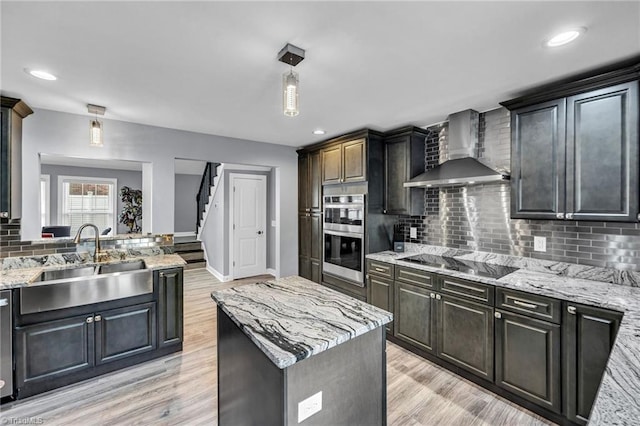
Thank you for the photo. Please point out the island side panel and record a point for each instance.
(352, 378)
(250, 386)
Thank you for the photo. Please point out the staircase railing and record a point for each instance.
(210, 172)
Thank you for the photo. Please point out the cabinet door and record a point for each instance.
(528, 359)
(354, 161)
(315, 236)
(53, 349)
(538, 161)
(380, 292)
(303, 183)
(125, 332)
(602, 154)
(315, 270)
(414, 316)
(304, 267)
(396, 196)
(588, 336)
(332, 165)
(314, 186)
(304, 230)
(170, 306)
(5, 162)
(465, 335)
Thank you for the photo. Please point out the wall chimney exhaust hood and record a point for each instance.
(461, 166)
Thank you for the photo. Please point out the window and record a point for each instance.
(44, 200)
(87, 200)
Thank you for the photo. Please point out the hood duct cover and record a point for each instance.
(462, 166)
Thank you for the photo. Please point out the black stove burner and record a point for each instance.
(466, 266)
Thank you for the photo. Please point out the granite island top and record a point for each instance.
(291, 319)
(28, 270)
(619, 393)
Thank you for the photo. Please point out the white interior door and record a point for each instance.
(249, 225)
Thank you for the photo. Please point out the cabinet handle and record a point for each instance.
(571, 310)
(524, 304)
(4, 302)
(384, 211)
(4, 214)
(560, 215)
(89, 320)
(438, 297)
(97, 318)
(497, 314)
(432, 295)
(308, 210)
(569, 216)
(380, 270)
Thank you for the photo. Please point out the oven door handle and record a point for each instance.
(344, 234)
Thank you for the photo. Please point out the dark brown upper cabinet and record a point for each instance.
(404, 158)
(345, 162)
(309, 182)
(12, 112)
(575, 156)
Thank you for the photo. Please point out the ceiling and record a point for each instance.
(210, 66)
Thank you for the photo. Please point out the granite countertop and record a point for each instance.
(619, 391)
(15, 277)
(292, 318)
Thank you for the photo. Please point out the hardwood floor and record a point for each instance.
(182, 388)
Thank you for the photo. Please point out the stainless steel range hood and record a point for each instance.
(461, 166)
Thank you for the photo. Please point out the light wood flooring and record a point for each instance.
(182, 388)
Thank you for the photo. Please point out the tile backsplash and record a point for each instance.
(477, 217)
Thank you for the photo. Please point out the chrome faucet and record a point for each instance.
(77, 239)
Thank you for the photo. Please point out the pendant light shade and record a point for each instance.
(290, 89)
(291, 55)
(96, 133)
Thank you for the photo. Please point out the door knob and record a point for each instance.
(259, 232)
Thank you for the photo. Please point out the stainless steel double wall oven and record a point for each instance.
(343, 232)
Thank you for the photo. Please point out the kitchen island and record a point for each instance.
(291, 351)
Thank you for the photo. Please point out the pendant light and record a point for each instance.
(96, 135)
(292, 56)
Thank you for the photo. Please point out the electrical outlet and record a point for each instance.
(309, 406)
(539, 243)
(273, 223)
(413, 232)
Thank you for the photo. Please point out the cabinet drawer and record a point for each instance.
(415, 277)
(529, 304)
(380, 269)
(469, 290)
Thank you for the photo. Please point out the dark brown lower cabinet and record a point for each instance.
(170, 302)
(53, 349)
(527, 356)
(588, 336)
(125, 332)
(414, 316)
(310, 244)
(465, 335)
(380, 294)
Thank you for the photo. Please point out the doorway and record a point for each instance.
(248, 238)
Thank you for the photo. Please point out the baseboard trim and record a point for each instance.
(184, 234)
(218, 275)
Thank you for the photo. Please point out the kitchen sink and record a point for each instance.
(121, 267)
(59, 274)
(68, 288)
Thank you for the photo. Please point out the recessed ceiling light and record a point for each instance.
(564, 37)
(319, 132)
(44, 75)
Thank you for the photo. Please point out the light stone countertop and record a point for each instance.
(291, 319)
(619, 393)
(17, 275)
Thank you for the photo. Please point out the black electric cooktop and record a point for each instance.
(466, 266)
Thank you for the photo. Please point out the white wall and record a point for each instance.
(214, 230)
(65, 134)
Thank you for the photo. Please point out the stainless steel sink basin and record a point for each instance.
(121, 267)
(58, 274)
(62, 289)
